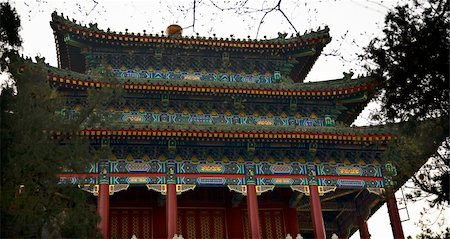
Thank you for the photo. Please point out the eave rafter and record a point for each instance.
(355, 138)
(336, 91)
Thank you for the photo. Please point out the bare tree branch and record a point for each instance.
(290, 23)
(193, 16)
(264, 16)
(242, 8)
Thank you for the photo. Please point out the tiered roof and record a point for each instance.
(350, 94)
(73, 39)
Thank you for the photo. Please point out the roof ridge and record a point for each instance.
(320, 32)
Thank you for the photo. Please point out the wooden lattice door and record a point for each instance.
(271, 224)
(124, 223)
(201, 223)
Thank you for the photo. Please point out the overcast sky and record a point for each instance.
(352, 23)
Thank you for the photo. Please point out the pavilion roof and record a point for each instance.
(71, 37)
(282, 43)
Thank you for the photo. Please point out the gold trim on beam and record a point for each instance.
(326, 189)
(301, 188)
(117, 188)
(242, 189)
(91, 188)
(378, 191)
(161, 188)
(181, 188)
(264, 188)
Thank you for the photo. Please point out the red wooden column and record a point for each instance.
(292, 222)
(316, 212)
(159, 215)
(171, 210)
(235, 225)
(394, 216)
(252, 207)
(363, 229)
(103, 209)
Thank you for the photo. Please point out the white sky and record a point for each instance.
(353, 23)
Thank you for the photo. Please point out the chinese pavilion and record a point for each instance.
(221, 138)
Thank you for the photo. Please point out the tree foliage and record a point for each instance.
(33, 205)
(416, 142)
(433, 179)
(9, 25)
(412, 59)
(9, 33)
(429, 234)
(32, 202)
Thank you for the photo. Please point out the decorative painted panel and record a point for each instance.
(210, 168)
(153, 166)
(215, 173)
(281, 181)
(351, 183)
(281, 168)
(137, 180)
(150, 117)
(210, 181)
(349, 170)
(198, 76)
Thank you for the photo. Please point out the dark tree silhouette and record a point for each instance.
(412, 61)
(10, 40)
(33, 205)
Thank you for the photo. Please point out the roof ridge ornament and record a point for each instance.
(348, 76)
(174, 30)
(282, 35)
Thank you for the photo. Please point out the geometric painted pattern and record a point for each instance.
(221, 119)
(267, 78)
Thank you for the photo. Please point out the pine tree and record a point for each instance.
(33, 204)
(411, 59)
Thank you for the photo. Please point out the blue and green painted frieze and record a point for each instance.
(352, 183)
(138, 180)
(176, 75)
(215, 173)
(136, 117)
(154, 166)
(352, 170)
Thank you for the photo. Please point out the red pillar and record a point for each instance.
(234, 223)
(292, 222)
(252, 207)
(103, 209)
(171, 210)
(363, 229)
(316, 212)
(159, 215)
(394, 216)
